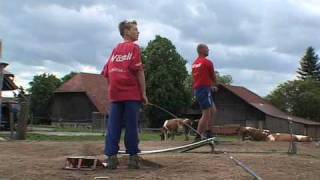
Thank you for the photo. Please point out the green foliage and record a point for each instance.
(165, 80)
(188, 85)
(309, 66)
(68, 76)
(299, 98)
(224, 79)
(41, 90)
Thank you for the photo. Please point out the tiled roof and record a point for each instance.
(8, 84)
(94, 85)
(263, 105)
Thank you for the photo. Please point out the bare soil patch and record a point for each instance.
(45, 160)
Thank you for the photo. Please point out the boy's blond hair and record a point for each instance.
(126, 25)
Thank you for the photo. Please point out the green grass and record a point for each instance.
(144, 136)
(41, 137)
(228, 138)
(64, 129)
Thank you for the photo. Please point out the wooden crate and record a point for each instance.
(88, 163)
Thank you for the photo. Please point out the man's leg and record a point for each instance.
(203, 122)
(113, 134)
(131, 139)
(204, 97)
(211, 121)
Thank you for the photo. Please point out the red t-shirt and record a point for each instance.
(203, 73)
(121, 72)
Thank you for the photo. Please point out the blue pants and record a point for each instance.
(123, 113)
(204, 97)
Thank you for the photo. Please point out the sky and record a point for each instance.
(258, 43)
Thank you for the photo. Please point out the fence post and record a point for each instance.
(23, 119)
(11, 121)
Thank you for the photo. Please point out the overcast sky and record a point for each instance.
(258, 42)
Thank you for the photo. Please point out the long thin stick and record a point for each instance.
(243, 166)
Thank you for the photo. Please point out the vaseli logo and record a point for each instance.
(196, 65)
(120, 58)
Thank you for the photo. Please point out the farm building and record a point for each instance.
(8, 84)
(239, 106)
(80, 101)
(7, 104)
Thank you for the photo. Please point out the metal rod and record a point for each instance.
(159, 107)
(243, 166)
(292, 146)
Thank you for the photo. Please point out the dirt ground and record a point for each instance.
(45, 160)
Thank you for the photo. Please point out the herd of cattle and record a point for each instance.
(172, 126)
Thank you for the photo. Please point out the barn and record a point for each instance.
(8, 84)
(7, 103)
(238, 106)
(80, 101)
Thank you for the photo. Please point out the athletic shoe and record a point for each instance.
(112, 162)
(134, 162)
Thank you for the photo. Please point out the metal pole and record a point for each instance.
(2, 66)
(243, 166)
(11, 118)
(292, 145)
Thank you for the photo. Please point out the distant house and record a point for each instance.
(8, 84)
(239, 106)
(7, 104)
(80, 100)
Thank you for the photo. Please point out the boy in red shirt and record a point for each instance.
(204, 81)
(126, 90)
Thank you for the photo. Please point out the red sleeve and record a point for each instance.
(105, 68)
(136, 63)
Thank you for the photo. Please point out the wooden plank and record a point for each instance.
(179, 148)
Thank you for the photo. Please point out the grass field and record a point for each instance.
(144, 136)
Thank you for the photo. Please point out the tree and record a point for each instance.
(67, 77)
(188, 85)
(283, 96)
(309, 66)
(224, 79)
(166, 75)
(41, 90)
(299, 98)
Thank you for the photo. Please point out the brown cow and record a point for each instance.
(253, 133)
(287, 137)
(171, 127)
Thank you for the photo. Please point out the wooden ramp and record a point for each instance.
(183, 148)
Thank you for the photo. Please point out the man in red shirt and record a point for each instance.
(126, 90)
(204, 80)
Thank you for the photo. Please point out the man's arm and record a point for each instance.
(142, 82)
(213, 78)
(214, 82)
